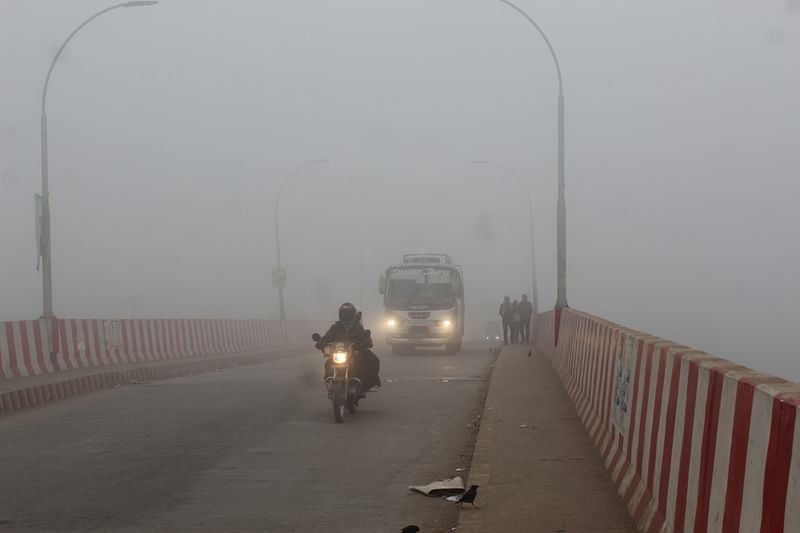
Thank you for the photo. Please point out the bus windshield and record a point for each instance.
(420, 287)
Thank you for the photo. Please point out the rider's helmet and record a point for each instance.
(347, 313)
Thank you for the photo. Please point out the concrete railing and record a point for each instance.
(35, 347)
(692, 442)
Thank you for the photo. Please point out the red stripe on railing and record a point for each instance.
(669, 439)
(641, 426)
(38, 344)
(686, 447)
(661, 361)
(13, 363)
(708, 450)
(776, 471)
(26, 349)
(737, 463)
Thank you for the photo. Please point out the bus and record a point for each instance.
(423, 302)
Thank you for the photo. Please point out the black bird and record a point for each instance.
(410, 529)
(469, 497)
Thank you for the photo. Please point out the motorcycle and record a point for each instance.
(344, 388)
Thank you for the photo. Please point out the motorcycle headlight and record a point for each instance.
(339, 358)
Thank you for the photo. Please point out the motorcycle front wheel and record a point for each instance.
(337, 399)
(351, 406)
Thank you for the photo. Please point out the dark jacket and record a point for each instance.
(341, 332)
(506, 311)
(525, 310)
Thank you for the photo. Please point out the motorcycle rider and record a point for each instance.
(349, 329)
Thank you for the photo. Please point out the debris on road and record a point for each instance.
(441, 488)
(467, 496)
(527, 426)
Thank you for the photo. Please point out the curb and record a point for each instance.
(480, 469)
(35, 395)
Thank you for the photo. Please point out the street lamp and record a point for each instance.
(534, 291)
(561, 213)
(281, 284)
(44, 244)
(561, 216)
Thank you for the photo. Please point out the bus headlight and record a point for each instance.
(391, 322)
(339, 358)
(447, 323)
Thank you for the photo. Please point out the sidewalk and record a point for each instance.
(545, 477)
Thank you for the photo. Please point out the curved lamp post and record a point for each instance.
(561, 300)
(44, 244)
(277, 224)
(561, 213)
(534, 291)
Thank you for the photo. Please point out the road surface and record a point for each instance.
(253, 448)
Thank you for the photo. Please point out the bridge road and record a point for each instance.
(253, 448)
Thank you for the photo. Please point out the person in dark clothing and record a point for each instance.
(349, 329)
(505, 314)
(525, 310)
(515, 322)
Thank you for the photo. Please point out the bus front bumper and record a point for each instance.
(430, 338)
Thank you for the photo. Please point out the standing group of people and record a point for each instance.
(516, 317)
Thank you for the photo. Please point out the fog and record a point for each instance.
(171, 128)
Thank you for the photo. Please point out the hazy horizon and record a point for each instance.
(171, 128)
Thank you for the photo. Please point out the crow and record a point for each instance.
(410, 529)
(469, 497)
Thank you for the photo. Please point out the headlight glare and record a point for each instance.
(339, 358)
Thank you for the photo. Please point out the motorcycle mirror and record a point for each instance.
(315, 337)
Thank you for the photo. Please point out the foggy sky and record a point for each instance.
(171, 128)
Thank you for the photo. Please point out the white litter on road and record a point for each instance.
(441, 488)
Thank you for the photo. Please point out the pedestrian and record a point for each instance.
(505, 314)
(516, 322)
(525, 313)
